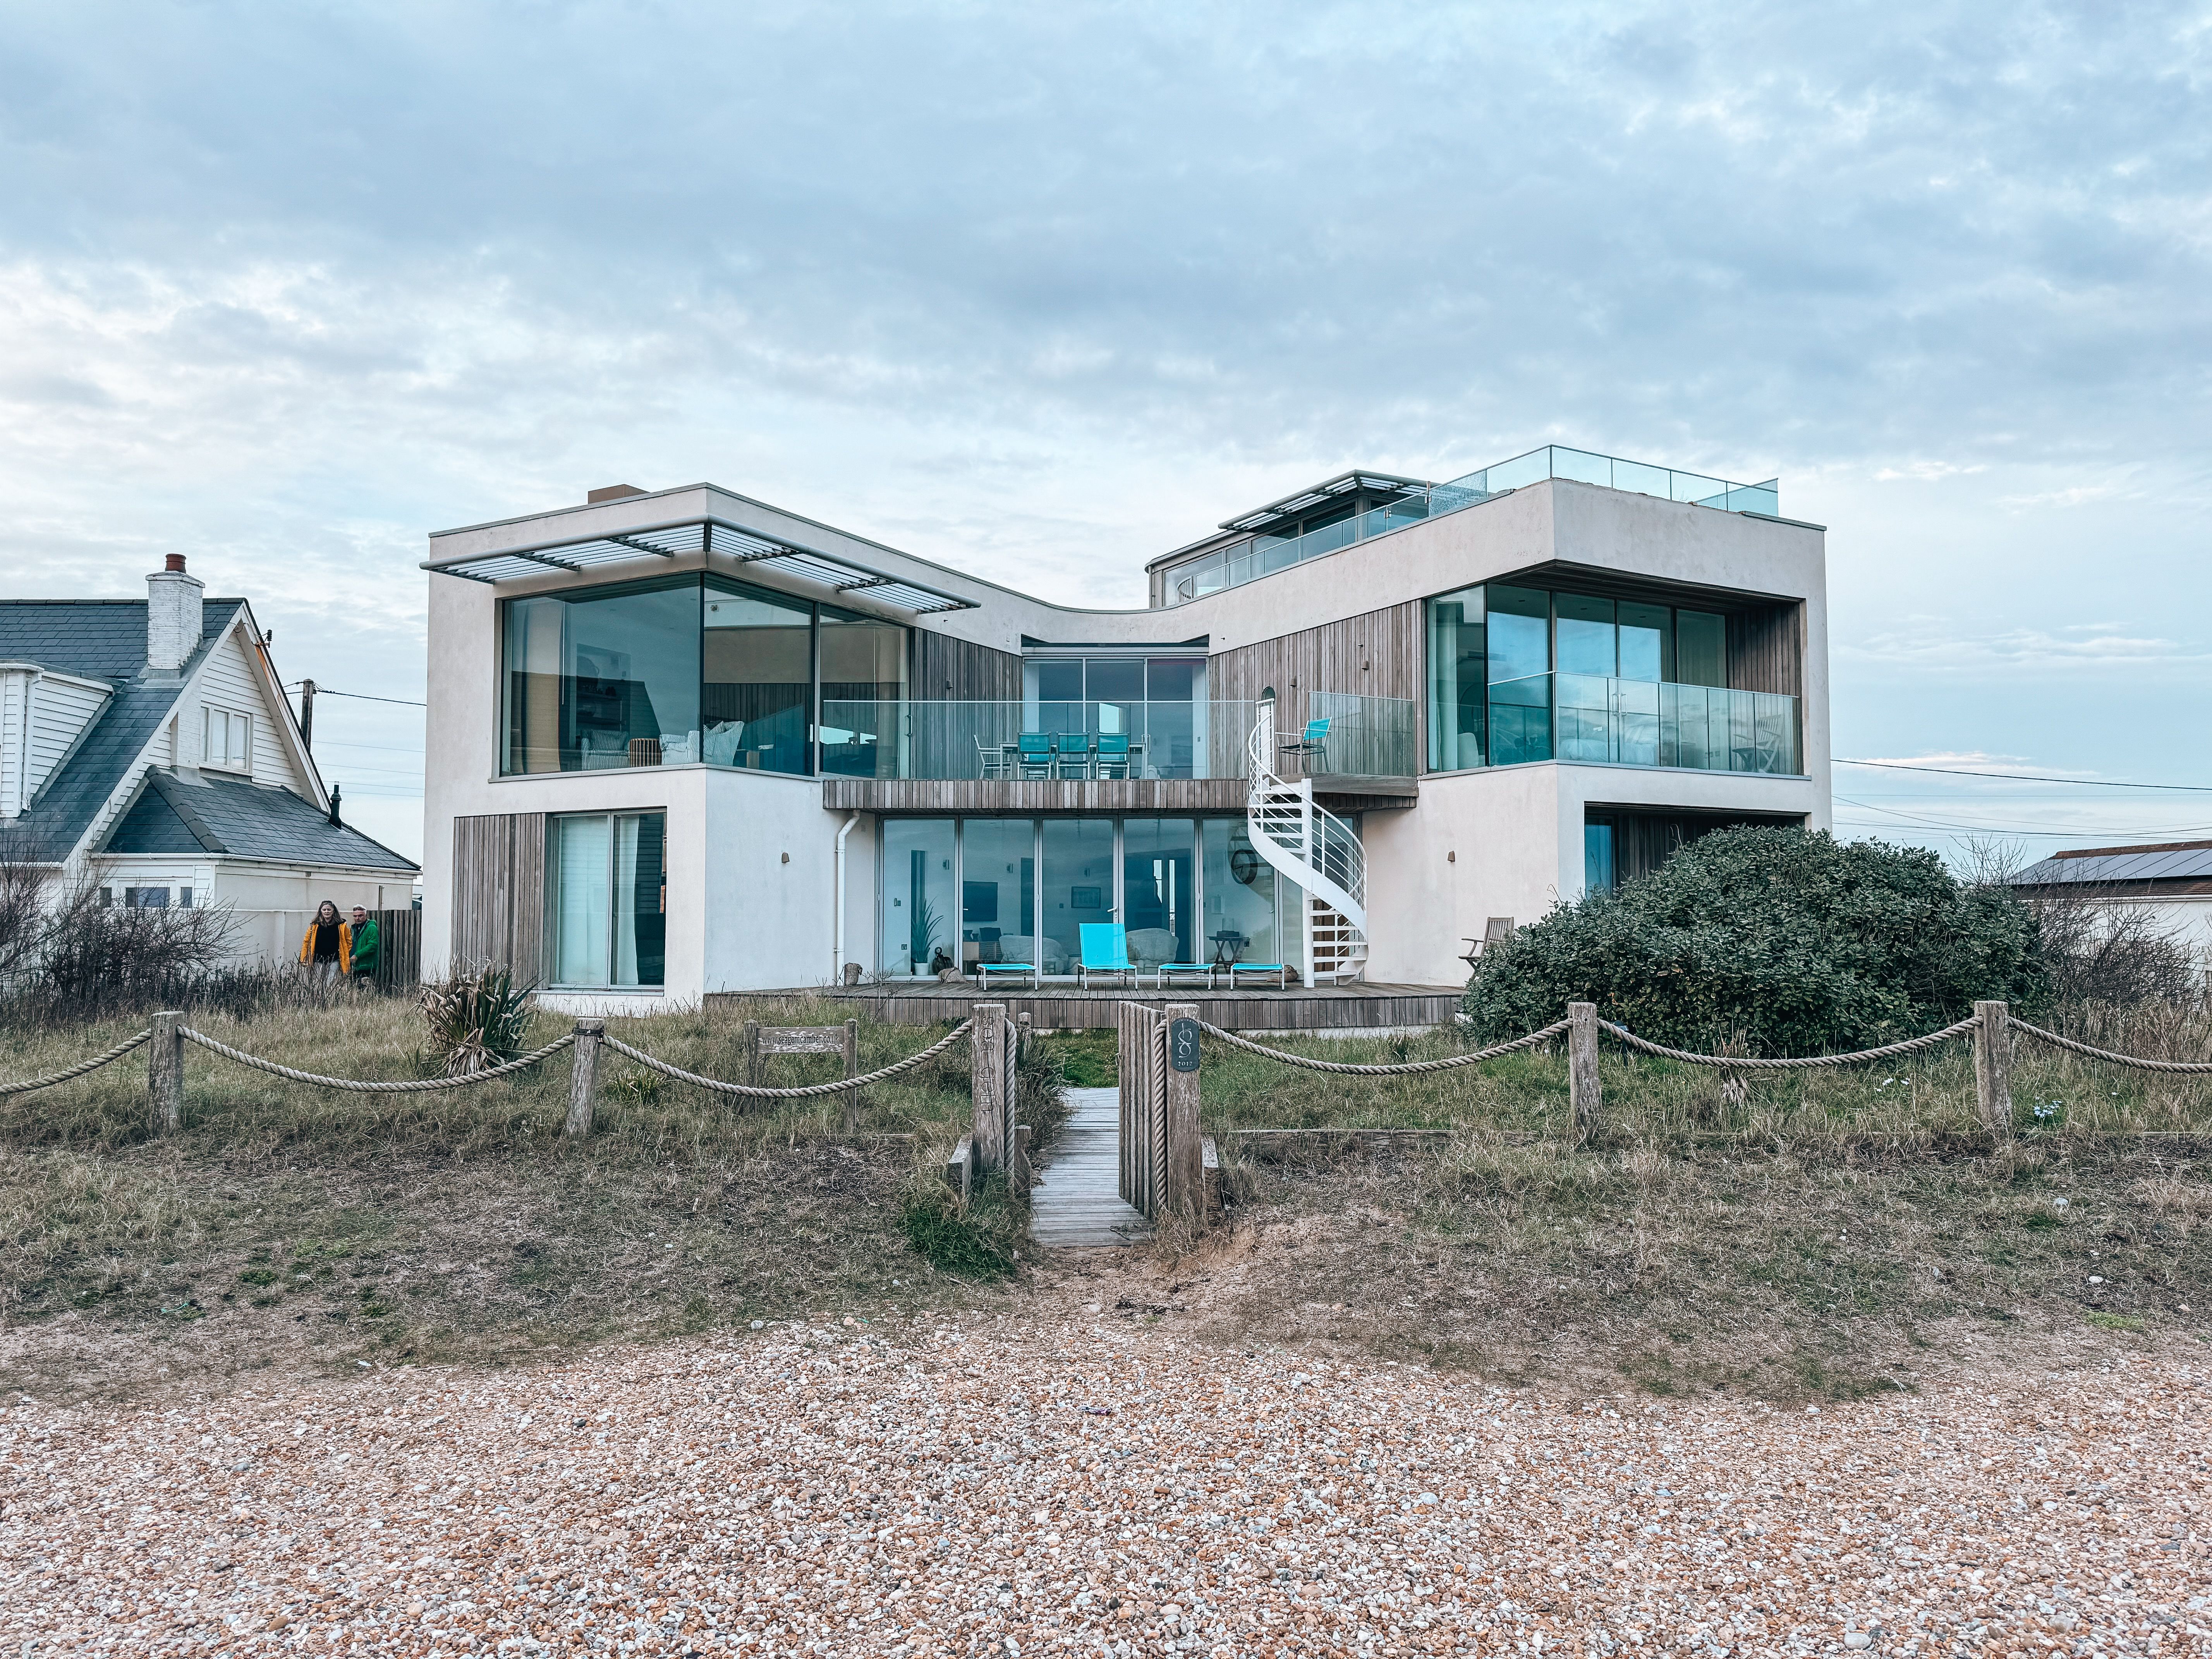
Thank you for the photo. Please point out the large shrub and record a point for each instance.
(1789, 943)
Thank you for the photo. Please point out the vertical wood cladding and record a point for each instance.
(1376, 654)
(947, 670)
(499, 893)
(1766, 649)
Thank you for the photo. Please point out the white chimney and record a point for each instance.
(172, 617)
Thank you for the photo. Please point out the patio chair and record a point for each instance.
(1281, 971)
(1110, 755)
(990, 759)
(985, 970)
(1034, 756)
(1315, 741)
(1204, 969)
(1105, 951)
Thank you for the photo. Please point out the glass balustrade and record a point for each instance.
(1363, 737)
(1590, 718)
(1039, 741)
(1263, 554)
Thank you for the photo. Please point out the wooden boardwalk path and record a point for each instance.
(1078, 1197)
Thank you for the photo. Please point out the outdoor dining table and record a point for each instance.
(1011, 759)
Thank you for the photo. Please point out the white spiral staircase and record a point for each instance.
(1319, 854)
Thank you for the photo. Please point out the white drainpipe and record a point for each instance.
(837, 942)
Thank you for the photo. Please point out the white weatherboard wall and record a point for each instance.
(231, 679)
(42, 715)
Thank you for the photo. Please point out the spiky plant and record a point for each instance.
(476, 1018)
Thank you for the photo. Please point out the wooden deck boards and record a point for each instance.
(1077, 1197)
(1359, 1006)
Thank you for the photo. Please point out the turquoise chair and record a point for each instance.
(1281, 971)
(1185, 970)
(1313, 746)
(1105, 951)
(1036, 756)
(1110, 755)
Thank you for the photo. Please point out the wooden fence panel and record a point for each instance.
(398, 949)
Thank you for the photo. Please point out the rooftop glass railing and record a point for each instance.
(1035, 741)
(1587, 718)
(1245, 561)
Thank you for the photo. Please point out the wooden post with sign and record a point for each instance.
(1186, 1193)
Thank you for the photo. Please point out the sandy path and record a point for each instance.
(1077, 1485)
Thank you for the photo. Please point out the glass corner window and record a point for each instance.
(609, 874)
(600, 677)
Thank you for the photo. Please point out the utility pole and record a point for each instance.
(307, 715)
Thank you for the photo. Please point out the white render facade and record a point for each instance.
(881, 761)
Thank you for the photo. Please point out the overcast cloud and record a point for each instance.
(1042, 291)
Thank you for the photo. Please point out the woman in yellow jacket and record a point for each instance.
(326, 948)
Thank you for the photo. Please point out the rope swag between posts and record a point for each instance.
(1407, 1069)
(80, 1069)
(2177, 1068)
(1730, 1063)
(355, 1085)
(746, 1090)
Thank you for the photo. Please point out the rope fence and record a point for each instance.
(800, 1093)
(1732, 1063)
(78, 1070)
(2172, 1068)
(361, 1086)
(1406, 1068)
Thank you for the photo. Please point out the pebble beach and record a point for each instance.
(986, 1484)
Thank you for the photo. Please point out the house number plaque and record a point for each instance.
(1182, 1045)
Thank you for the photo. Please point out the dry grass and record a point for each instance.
(460, 1224)
(1798, 1240)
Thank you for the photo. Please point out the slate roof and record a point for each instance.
(245, 820)
(101, 640)
(2099, 866)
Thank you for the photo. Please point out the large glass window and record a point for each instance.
(759, 673)
(605, 677)
(1159, 888)
(1459, 682)
(917, 895)
(1079, 881)
(1519, 636)
(1240, 923)
(696, 668)
(1154, 701)
(998, 894)
(610, 899)
(1700, 648)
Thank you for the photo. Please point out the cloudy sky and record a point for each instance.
(1041, 291)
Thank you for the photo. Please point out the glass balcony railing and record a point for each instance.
(1586, 717)
(1039, 741)
(1365, 738)
(1246, 562)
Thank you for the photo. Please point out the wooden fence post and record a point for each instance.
(1186, 1193)
(1582, 1092)
(852, 1071)
(752, 1053)
(165, 1070)
(584, 1076)
(1023, 1033)
(1993, 1066)
(987, 1079)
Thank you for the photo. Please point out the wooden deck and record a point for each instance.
(1066, 1007)
(1078, 1196)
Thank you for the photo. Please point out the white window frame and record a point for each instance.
(225, 724)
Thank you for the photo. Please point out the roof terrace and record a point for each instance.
(1236, 563)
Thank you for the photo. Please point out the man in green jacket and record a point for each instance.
(365, 942)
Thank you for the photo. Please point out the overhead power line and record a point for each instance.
(2026, 777)
(322, 690)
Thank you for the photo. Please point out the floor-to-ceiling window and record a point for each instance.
(998, 893)
(1159, 888)
(1519, 674)
(1079, 881)
(693, 668)
(1239, 897)
(610, 899)
(916, 907)
(1158, 702)
(605, 677)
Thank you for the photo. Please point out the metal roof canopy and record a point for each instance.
(706, 536)
(1345, 483)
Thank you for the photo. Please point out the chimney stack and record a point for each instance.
(172, 617)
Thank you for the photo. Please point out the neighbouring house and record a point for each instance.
(146, 746)
(683, 742)
(2170, 881)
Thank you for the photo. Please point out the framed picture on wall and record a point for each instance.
(1086, 898)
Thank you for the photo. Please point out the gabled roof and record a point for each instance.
(2098, 866)
(101, 640)
(242, 820)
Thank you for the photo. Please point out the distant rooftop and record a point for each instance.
(2097, 866)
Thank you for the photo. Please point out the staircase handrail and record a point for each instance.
(1312, 875)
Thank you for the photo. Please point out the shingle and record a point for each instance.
(253, 821)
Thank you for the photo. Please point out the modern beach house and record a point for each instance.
(683, 742)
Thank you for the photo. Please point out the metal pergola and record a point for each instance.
(709, 536)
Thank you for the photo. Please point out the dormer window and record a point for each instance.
(229, 740)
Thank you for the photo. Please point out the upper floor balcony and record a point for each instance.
(1266, 552)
